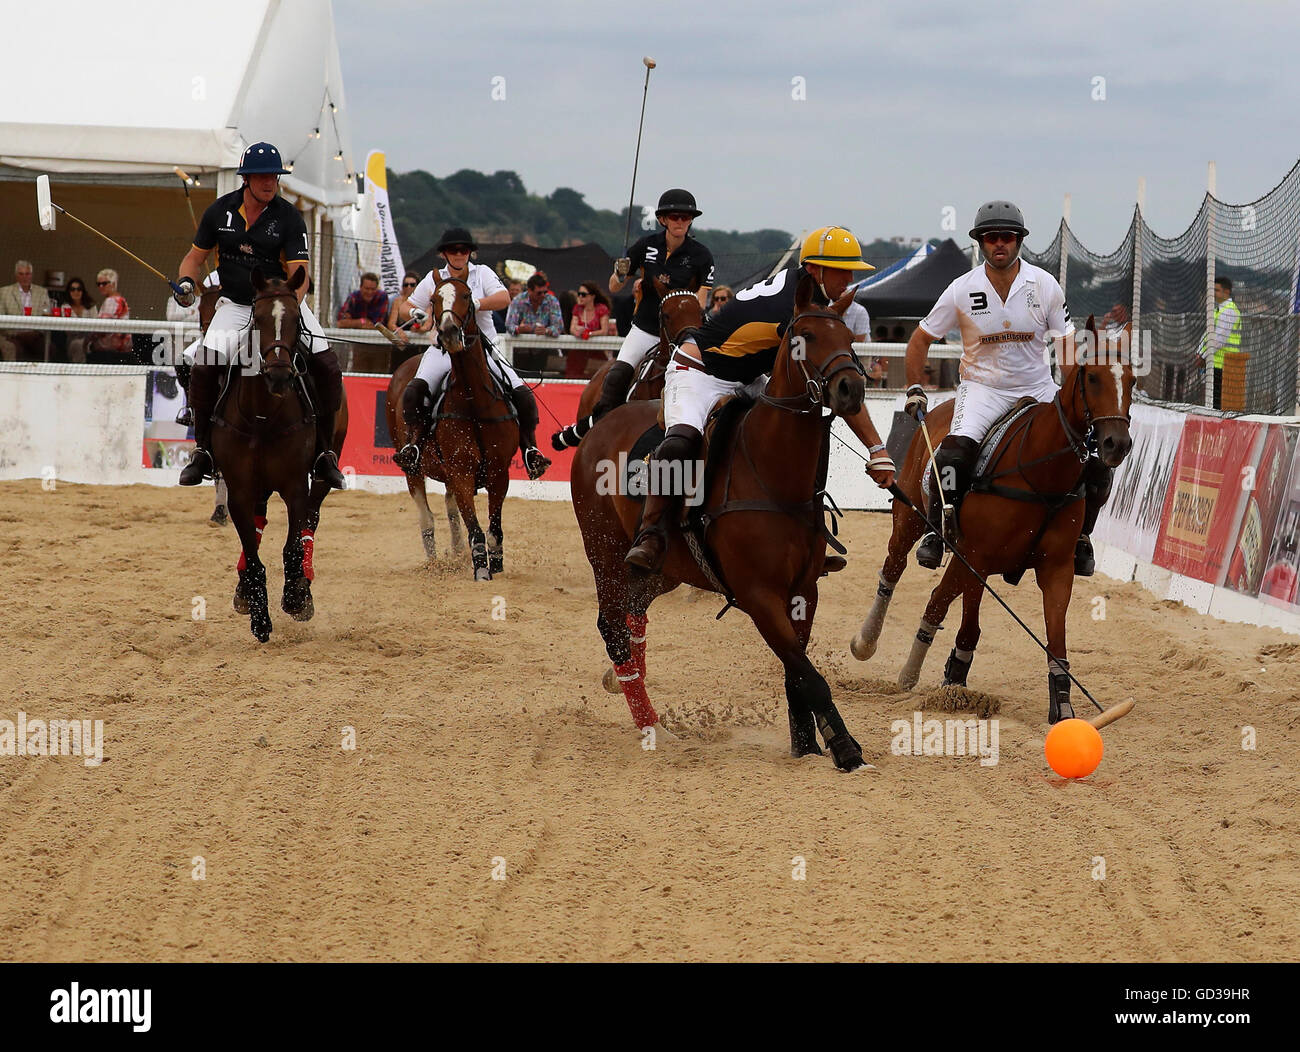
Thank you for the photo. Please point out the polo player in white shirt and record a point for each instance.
(1004, 311)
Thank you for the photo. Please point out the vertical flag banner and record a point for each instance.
(384, 256)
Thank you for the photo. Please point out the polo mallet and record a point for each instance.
(46, 209)
(187, 181)
(392, 333)
(948, 509)
(627, 230)
(1104, 716)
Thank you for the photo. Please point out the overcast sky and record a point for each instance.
(909, 107)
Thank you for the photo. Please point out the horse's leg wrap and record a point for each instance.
(958, 667)
(803, 724)
(478, 554)
(806, 690)
(636, 627)
(911, 671)
(864, 643)
(259, 523)
(1058, 691)
(308, 553)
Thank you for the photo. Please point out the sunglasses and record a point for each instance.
(583, 293)
(994, 236)
(103, 283)
(721, 299)
(409, 284)
(75, 288)
(456, 250)
(680, 217)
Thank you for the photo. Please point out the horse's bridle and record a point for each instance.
(1079, 442)
(460, 321)
(817, 385)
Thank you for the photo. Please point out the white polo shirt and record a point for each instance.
(1003, 344)
(482, 282)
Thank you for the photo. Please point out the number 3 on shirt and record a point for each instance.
(770, 287)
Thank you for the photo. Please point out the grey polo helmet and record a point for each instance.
(998, 215)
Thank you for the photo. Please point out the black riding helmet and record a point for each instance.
(998, 215)
(677, 200)
(456, 235)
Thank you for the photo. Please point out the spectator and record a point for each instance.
(514, 286)
(1225, 337)
(591, 316)
(365, 308)
(400, 312)
(536, 311)
(722, 295)
(80, 305)
(23, 298)
(110, 348)
(568, 300)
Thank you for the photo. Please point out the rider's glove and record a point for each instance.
(916, 402)
(418, 316)
(188, 293)
(622, 267)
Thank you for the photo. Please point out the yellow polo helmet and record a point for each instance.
(833, 246)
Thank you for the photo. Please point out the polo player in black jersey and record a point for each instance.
(672, 254)
(733, 348)
(253, 227)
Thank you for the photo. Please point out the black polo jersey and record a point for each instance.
(650, 257)
(740, 341)
(278, 237)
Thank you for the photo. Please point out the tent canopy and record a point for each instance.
(153, 86)
(909, 288)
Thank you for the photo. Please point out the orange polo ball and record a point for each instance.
(1073, 748)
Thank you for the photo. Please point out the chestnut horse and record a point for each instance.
(264, 439)
(762, 522)
(1024, 510)
(475, 433)
(676, 315)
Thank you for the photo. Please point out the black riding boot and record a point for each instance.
(186, 415)
(1096, 483)
(526, 406)
(417, 417)
(613, 392)
(661, 509)
(955, 459)
(327, 378)
(204, 381)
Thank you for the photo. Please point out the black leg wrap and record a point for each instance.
(803, 724)
(956, 670)
(1058, 689)
(618, 644)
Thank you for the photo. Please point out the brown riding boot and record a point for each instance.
(652, 540)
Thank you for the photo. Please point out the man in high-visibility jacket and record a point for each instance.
(1225, 338)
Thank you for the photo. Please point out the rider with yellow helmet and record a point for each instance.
(733, 348)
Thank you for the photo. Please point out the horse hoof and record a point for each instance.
(496, 566)
(297, 603)
(219, 516)
(610, 681)
(907, 679)
(482, 573)
(663, 732)
(846, 753)
(261, 628)
(861, 648)
(797, 752)
(240, 601)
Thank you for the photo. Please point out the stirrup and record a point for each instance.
(930, 552)
(408, 457)
(535, 463)
(1085, 561)
(185, 417)
(195, 472)
(330, 471)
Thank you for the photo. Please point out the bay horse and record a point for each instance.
(264, 439)
(1023, 510)
(762, 521)
(676, 315)
(474, 437)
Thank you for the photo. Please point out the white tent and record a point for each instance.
(135, 89)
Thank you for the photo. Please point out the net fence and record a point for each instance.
(1166, 286)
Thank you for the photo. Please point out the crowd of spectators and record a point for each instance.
(70, 299)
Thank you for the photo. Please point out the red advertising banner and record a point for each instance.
(1264, 505)
(368, 449)
(1207, 491)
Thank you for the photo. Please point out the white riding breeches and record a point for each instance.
(229, 335)
(636, 345)
(690, 395)
(436, 364)
(978, 406)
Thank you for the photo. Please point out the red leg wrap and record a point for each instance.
(638, 701)
(308, 547)
(636, 626)
(259, 521)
